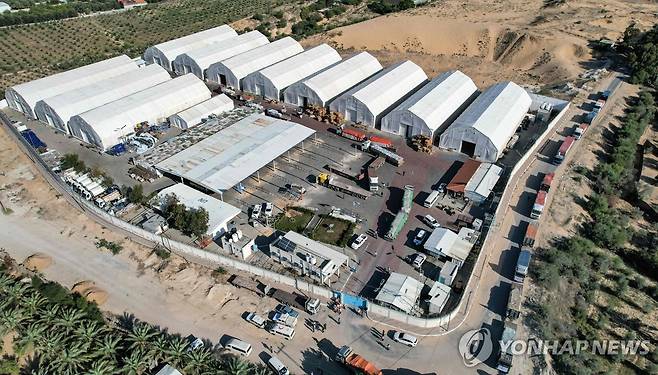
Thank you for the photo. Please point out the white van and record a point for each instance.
(277, 366)
(279, 329)
(431, 199)
(239, 346)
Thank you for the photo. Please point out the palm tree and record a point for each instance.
(10, 320)
(136, 363)
(103, 367)
(235, 366)
(49, 314)
(16, 292)
(29, 337)
(5, 282)
(50, 344)
(159, 348)
(177, 350)
(34, 302)
(69, 318)
(71, 359)
(109, 346)
(197, 360)
(141, 336)
(89, 330)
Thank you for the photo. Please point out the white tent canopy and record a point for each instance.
(194, 115)
(369, 100)
(231, 71)
(400, 291)
(25, 96)
(320, 88)
(104, 126)
(271, 81)
(432, 107)
(165, 53)
(199, 60)
(58, 110)
(486, 126)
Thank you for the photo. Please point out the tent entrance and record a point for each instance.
(407, 130)
(222, 79)
(304, 101)
(468, 148)
(350, 114)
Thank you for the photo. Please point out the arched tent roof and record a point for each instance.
(25, 96)
(165, 53)
(58, 110)
(202, 58)
(193, 115)
(104, 125)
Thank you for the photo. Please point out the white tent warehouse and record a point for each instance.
(165, 53)
(226, 158)
(430, 109)
(106, 125)
(271, 81)
(368, 101)
(320, 88)
(231, 71)
(486, 126)
(25, 96)
(194, 115)
(199, 60)
(58, 110)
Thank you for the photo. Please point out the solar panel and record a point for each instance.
(286, 245)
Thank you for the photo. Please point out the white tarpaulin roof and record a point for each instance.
(484, 179)
(193, 115)
(331, 82)
(224, 159)
(79, 100)
(388, 86)
(401, 291)
(446, 242)
(300, 66)
(219, 213)
(31, 92)
(261, 57)
(102, 125)
(172, 48)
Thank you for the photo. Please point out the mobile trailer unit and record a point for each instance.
(373, 179)
(564, 149)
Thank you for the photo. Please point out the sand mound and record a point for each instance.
(90, 291)
(37, 262)
(82, 287)
(219, 293)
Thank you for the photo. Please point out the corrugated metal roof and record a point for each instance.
(463, 176)
(226, 158)
(316, 248)
(401, 291)
(261, 57)
(222, 50)
(331, 82)
(172, 48)
(215, 105)
(300, 66)
(484, 179)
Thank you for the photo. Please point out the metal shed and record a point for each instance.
(230, 72)
(431, 109)
(194, 115)
(58, 110)
(486, 126)
(368, 101)
(199, 60)
(106, 125)
(482, 182)
(320, 88)
(271, 81)
(25, 96)
(165, 53)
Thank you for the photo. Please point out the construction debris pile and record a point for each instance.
(422, 143)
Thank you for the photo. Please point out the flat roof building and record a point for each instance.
(401, 292)
(105, 126)
(223, 160)
(431, 109)
(482, 182)
(271, 81)
(194, 115)
(438, 297)
(486, 126)
(445, 243)
(165, 53)
(220, 214)
(24, 97)
(199, 60)
(368, 101)
(57, 110)
(231, 71)
(308, 257)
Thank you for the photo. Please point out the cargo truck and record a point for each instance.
(538, 207)
(249, 284)
(355, 362)
(389, 155)
(513, 311)
(334, 183)
(523, 264)
(580, 130)
(505, 358)
(381, 141)
(564, 149)
(546, 182)
(351, 134)
(335, 169)
(530, 235)
(373, 178)
(311, 305)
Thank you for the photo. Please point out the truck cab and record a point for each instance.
(312, 305)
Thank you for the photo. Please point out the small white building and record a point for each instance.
(431, 109)
(220, 214)
(271, 81)
(368, 101)
(438, 297)
(199, 60)
(195, 115)
(445, 243)
(401, 292)
(231, 71)
(482, 182)
(165, 53)
(448, 272)
(308, 257)
(483, 130)
(322, 87)
(107, 125)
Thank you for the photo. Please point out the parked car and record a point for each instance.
(285, 309)
(274, 113)
(256, 320)
(431, 221)
(442, 188)
(420, 237)
(268, 209)
(419, 259)
(405, 338)
(359, 241)
(255, 211)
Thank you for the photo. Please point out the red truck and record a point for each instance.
(384, 142)
(352, 134)
(538, 207)
(564, 149)
(546, 182)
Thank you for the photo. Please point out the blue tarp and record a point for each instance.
(32, 139)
